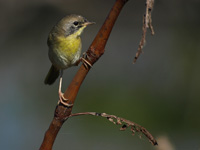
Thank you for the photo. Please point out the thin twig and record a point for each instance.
(134, 127)
(147, 23)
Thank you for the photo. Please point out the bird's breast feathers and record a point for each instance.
(65, 51)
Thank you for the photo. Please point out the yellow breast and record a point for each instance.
(68, 46)
(64, 51)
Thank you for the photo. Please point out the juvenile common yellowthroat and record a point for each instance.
(64, 44)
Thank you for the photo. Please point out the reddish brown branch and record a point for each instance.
(93, 54)
(124, 124)
(147, 23)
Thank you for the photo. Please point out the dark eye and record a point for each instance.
(75, 23)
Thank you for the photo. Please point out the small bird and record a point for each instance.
(64, 44)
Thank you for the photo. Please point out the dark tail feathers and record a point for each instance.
(52, 75)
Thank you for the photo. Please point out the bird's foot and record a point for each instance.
(63, 100)
(85, 62)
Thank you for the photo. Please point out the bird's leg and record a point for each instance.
(84, 61)
(62, 99)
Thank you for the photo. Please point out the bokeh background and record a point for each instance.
(160, 92)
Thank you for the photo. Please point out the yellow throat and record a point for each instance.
(71, 44)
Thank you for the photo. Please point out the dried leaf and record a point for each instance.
(119, 121)
(111, 120)
(124, 127)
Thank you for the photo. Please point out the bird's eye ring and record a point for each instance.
(75, 23)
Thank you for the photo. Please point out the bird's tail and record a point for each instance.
(52, 75)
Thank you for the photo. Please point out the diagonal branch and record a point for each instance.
(147, 23)
(93, 54)
(123, 122)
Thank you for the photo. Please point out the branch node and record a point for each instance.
(98, 114)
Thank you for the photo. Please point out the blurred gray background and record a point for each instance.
(159, 92)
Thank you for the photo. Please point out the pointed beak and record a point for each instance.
(88, 23)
